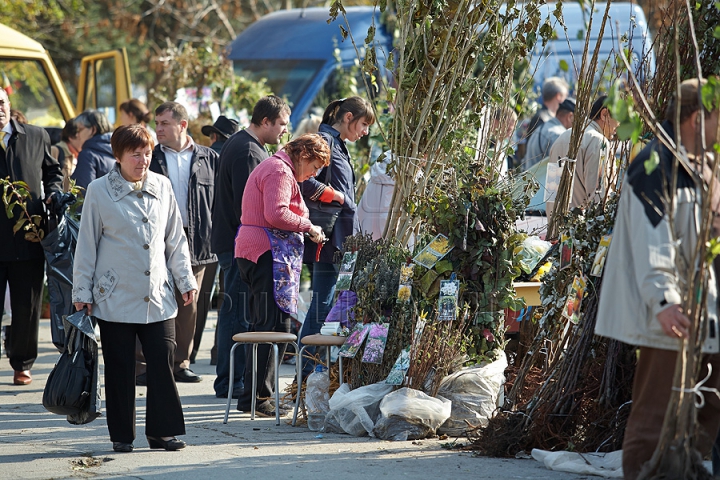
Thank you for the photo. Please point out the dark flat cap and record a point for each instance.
(568, 104)
(223, 126)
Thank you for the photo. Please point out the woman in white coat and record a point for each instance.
(131, 251)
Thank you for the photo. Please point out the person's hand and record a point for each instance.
(80, 305)
(316, 234)
(339, 197)
(674, 322)
(188, 297)
(49, 198)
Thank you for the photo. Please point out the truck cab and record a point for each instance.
(34, 86)
(294, 51)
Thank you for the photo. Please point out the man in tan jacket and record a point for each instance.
(595, 167)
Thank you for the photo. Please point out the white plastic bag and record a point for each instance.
(475, 394)
(355, 411)
(409, 414)
(608, 465)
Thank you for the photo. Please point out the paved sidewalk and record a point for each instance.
(35, 444)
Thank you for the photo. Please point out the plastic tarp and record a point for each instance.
(608, 465)
(475, 393)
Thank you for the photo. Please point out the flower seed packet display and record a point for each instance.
(353, 342)
(600, 256)
(405, 287)
(448, 302)
(434, 251)
(347, 267)
(572, 306)
(375, 345)
(566, 250)
(399, 370)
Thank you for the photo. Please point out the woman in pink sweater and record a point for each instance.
(269, 250)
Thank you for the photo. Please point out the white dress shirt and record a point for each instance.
(178, 165)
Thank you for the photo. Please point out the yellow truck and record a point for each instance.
(29, 75)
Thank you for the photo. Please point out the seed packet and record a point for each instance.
(347, 267)
(434, 251)
(571, 311)
(375, 345)
(448, 302)
(399, 370)
(353, 342)
(600, 256)
(566, 250)
(405, 287)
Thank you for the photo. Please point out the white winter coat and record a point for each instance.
(131, 251)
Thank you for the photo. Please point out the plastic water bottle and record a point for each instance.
(317, 398)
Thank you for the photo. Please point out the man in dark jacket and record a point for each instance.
(96, 157)
(24, 155)
(192, 170)
(240, 155)
(220, 131)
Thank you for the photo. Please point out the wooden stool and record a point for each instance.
(316, 341)
(256, 338)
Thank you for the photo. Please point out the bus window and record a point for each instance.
(28, 87)
(100, 92)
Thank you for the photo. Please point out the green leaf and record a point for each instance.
(18, 225)
(652, 163)
(9, 209)
(716, 32)
(564, 66)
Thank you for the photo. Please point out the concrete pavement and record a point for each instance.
(35, 444)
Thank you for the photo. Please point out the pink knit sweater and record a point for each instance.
(271, 199)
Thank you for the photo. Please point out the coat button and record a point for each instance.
(147, 273)
(147, 299)
(146, 246)
(145, 219)
(102, 290)
(139, 195)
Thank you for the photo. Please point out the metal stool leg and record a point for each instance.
(254, 382)
(340, 369)
(298, 364)
(230, 388)
(276, 354)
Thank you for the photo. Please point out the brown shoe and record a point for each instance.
(22, 377)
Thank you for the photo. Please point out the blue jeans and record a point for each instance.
(324, 277)
(232, 319)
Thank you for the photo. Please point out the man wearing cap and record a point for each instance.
(539, 143)
(220, 131)
(594, 167)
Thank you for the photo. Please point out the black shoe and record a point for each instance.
(172, 444)
(141, 380)
(236, 394)
(186, 375)
(122, 447)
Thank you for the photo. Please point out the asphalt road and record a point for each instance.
(35, 444)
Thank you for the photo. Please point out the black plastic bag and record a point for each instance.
(59, 245)
(73, 387)
(67, 391)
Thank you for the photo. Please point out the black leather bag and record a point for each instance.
(69, 385)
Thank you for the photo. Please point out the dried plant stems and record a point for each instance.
(582, 109)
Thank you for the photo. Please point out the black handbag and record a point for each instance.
(324, 215)
(69, 385)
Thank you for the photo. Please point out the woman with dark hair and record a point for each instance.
(92, 138)
(268, 251)
(134, 111)
(345, 119)
(131, 252)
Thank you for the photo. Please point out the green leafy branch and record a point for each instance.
(15, 197)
